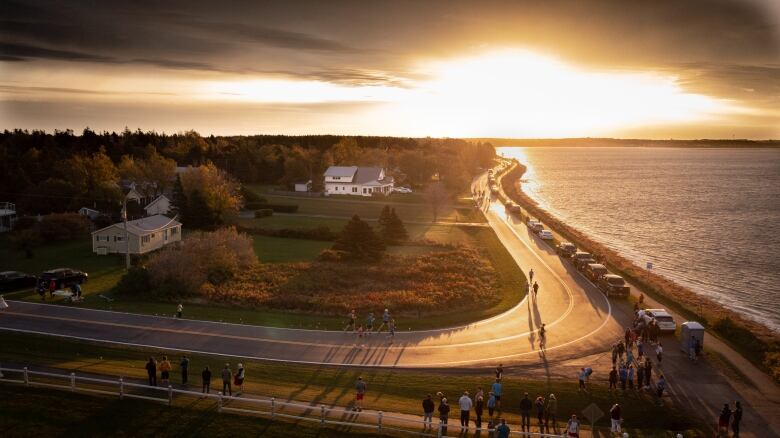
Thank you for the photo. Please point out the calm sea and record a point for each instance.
(707, 218)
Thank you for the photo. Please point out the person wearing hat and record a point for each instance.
(444, 413)
(551, 411)
(465, 409)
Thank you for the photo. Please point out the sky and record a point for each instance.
(522, 69)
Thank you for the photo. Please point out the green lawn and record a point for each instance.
(104, 271)
(35, 412)
(411, 210)
(388, 390)
(278, 249)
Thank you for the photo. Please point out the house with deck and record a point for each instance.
(357, 181)
(144, 235)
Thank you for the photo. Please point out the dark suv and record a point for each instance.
(13, 280)
(63, 277)
(566, 249)
(580, 259)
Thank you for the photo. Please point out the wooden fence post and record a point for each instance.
(26, 377)
(121, 388)
(379, 420)
(273, 407)
(73, 382)
(170, 395)
(219, 402)
(322, 414)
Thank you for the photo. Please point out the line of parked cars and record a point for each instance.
(62, 278)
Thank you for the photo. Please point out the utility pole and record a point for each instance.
(133, 196)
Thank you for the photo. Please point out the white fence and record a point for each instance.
(269, 407)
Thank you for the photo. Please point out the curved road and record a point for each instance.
(577, 317)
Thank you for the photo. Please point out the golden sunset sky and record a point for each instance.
(649, 69)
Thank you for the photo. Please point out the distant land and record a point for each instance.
(630, 142)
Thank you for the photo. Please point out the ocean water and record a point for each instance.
(708, 219)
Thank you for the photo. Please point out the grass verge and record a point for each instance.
(388, 390)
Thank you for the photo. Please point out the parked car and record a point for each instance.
(513, 208)
(14, 280)
(402, 190)
(614, 286)
(64, 277)
(594, 271)
(546, 235)
(535, 225)
(566, 249)
(580, 259)
(664, 320)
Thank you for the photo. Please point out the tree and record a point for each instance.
(359, 242)
(25, 241)
(346, 152)
(179, 198)
(221, 193)
(391, 228)
(198, 213)
(436, 196)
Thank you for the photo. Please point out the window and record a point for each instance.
(116, 238)
(174, 231)
(145, 240)
(354, 189)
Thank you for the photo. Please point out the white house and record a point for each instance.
(357, 181)
(145, 235)
(89, 212)
(160, 205)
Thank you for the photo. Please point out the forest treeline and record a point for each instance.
(61, 171)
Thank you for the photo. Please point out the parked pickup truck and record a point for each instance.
(63, 277)
(594, 271)
(614, 286)
(566, 249)
(580, 259)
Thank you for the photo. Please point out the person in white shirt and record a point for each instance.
(465, 408)
(573, 427)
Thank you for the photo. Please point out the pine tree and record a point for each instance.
(179, 198)
(396, 231)
(384, 222)
(198, 214)
(359, 241)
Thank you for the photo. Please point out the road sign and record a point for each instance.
(592, 413)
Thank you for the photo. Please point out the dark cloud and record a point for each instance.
(19, 52)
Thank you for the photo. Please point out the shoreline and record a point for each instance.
(753, 340)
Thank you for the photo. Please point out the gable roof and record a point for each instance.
(144, 226)
(156, 200)
(341, 171)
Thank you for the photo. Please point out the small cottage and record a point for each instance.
(144, 235)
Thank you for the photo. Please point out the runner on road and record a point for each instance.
(531, 275)
(385, 320)
(360, 393)
(370, 323)
(536, 288)
(542, 336)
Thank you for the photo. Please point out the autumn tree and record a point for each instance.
(436, 196)
(391, 228)
(359, 242)
(221, 193)
(346, 152)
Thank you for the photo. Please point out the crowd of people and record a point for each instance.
(164, 366)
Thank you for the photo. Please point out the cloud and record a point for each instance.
(20, 52)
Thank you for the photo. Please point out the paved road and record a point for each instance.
(576, 315)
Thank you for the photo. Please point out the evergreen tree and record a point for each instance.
(179, 198)
(198, 214)
(359, 241)
(396, 231)
(391, 228)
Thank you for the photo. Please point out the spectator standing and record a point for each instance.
(205, 377)
(491, 404)
(621, 350)
(623, 376)
(179, 310)
(539, 412)
(659, 352)
(479, 404)
(428, 407)
(184, 366)
(640, 375)
(737, 418)
(613, 378)
(616, 417)
(497, 390)
(227, 376)
(165, 371)
(444, 414)
(370, 323)
(614, 354)
(503, 430)
(659, 388)
(3, 304)
(465, 409)
(573, 427)
(360, 394)
(525, 413)
(630, 377)
(151, 371)
(238, 379)
(724, 419)
(551, 411)
(648, 372)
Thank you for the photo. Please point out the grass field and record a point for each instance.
(388, 390)
(277, 249)
(411, 209)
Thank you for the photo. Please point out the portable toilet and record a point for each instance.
(691, 329)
